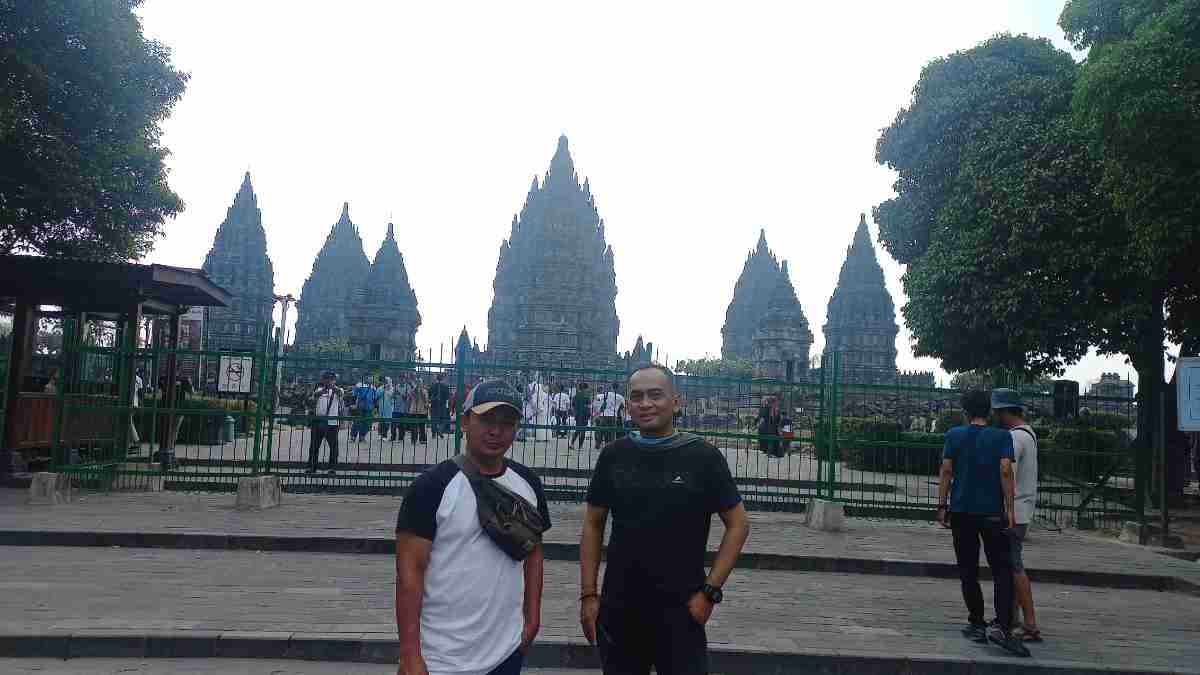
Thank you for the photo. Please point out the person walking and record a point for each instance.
(418, 412)
(560, 403)
(1010, 413)
(364, 409)
(977, 478)
(401, 412)
(768, 423)
(463, 604)
(326, 405)
(661, 488)
(583, 413)
(611, 411)
(385, 402)
(439, 401)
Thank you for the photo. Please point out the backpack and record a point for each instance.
(511, 522)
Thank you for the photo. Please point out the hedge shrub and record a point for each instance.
(909, 453)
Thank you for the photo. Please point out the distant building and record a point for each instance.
(1111, 385)
(751, 297)
(371, 305)
(782, 339)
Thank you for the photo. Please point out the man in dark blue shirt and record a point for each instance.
(977, 476)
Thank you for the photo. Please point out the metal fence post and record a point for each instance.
(260, 360)
(460, 382)
(833, 424)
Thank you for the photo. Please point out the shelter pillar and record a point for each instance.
(18, 363)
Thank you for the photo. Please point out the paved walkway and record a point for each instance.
(368, 517)
(138, 592)
(213, 667)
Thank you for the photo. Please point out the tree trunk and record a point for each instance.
(1148, 361)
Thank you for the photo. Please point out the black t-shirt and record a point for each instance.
(662, 503)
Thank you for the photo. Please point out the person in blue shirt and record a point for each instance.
(364, 408)
(977, 477)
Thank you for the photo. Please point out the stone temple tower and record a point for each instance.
(384, 317)
(861, 319)
(782, 339)
(555, 287)
(338, 273)
(371, 305)
(238, 261)
(751, 295)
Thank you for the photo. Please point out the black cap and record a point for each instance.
(490, 394)
(328, 374)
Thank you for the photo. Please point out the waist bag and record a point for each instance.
(505, 516)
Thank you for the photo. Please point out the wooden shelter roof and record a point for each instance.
(98, 286)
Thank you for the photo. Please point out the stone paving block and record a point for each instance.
(825, 515)
(258, 493)
(49, 489)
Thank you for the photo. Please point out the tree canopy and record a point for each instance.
(712, 367)
(1009, 245)
(1045, 206)
(82, 94)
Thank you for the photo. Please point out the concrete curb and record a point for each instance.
(570, 553)
(382, 648)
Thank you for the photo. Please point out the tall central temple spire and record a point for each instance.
(861, 317)
(555, 287)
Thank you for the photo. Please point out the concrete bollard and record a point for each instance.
(825, 515)
(258, 492)
(48, 489)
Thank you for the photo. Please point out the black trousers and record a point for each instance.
(581, 421)
(416, 427)
(323, 431)
(632, 639)
(969, 531)
(560, 423)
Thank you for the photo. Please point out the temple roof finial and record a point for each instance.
(391, 232)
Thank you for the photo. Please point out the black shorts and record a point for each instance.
(631, 639)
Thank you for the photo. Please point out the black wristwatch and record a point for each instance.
(713, 593)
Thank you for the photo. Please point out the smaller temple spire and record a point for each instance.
(391, 233)
(762, 240)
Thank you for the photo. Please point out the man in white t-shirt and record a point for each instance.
(1010, 413)
(612, 410)
(463, 606)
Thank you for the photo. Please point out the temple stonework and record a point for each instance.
(555, 287)
(861, 319)
(782, 339)
(751, 296)
(238, 262)
(372, 305)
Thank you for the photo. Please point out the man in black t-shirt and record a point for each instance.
(662, 488)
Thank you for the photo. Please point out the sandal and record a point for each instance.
(1027, 635)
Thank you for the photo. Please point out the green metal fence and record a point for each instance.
(875, 447)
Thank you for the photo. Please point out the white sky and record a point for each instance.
(698, 123)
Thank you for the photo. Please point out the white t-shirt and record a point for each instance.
(472, 611)
(1025, 489)
(612, 402)
(562, 402)
(328, 404)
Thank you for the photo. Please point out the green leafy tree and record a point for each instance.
(711, 367)
(82, 94)
(1010, 248)
(1138, 99)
